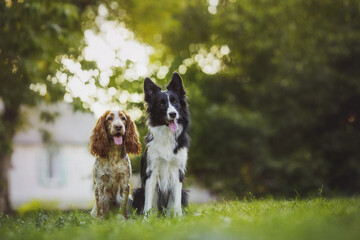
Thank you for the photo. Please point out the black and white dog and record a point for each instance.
(164, 161)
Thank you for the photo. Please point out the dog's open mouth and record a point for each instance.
(118, 139)
(173, 125)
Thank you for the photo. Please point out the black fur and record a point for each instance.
(139, 200)
(181, 176)
(157, 105)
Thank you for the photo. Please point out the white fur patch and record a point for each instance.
(171, 109)
(117, 121)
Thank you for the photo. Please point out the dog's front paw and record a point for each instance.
(177, 212)
(147, 213)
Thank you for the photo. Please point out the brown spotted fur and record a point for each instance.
(112, 167)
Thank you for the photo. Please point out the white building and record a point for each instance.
(59, 171)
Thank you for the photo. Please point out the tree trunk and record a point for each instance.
(4, 184)
(9, 120)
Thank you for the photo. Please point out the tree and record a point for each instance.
(34, 36)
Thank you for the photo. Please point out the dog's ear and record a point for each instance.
(176, 84)
(132, 144)
(99, 142)
(150, 89)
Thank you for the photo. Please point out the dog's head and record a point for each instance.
(166, 107)
(114, 127)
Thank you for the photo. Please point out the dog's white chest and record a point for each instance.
(162, 145)
(162, 161)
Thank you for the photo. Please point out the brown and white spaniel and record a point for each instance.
(113, 137)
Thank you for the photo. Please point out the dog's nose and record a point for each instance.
(118, 127)
(172, 114)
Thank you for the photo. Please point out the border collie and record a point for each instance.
(164, 161)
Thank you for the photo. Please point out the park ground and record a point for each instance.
(317, 218)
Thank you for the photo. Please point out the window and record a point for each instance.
(51, 168)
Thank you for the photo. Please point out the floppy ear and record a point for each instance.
(132, 144)
(176, 84)
(150, 88)
(99, 142)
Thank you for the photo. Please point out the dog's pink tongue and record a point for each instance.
(173, 126)
(118, 140)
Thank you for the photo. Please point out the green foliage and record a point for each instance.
(255, 219)
(295, 69)
(33, 34)
(35, 205)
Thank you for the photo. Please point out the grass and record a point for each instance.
(257, 219)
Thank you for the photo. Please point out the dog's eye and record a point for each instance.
(109, 118)
(162, 103)
(173, 101)
(123, 118)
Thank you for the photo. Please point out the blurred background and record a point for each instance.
(273, 88)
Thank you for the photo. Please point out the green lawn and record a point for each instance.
(259, 219)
